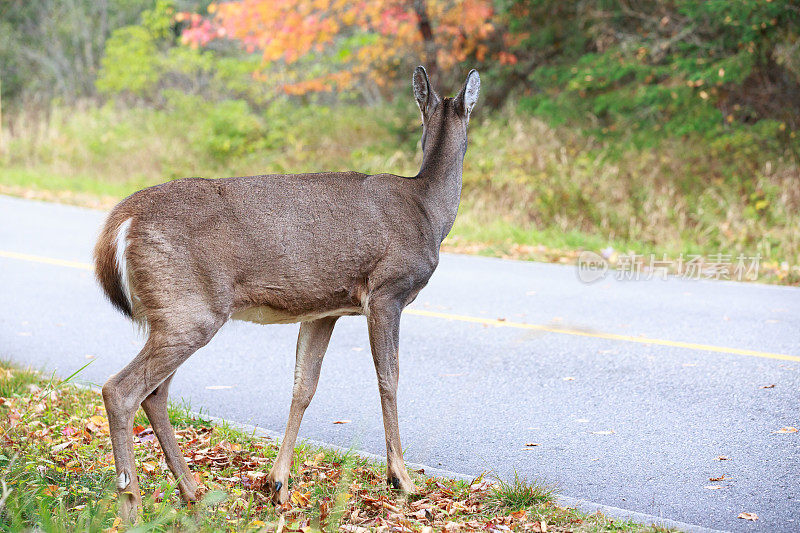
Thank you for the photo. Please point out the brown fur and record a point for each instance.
(278, 248)
(106, 267)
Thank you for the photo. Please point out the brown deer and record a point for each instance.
(182, 258)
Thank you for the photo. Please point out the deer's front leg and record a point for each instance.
(311, 345)
(384, 335)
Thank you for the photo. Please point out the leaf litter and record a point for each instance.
(60, 439)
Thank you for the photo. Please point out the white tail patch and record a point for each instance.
(121, 244)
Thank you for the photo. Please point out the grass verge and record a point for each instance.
(57, 469)
(531, 190)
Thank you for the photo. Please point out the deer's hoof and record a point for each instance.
(404, 485)
(280, 493)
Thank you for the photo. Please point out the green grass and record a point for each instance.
(56, 464)
(519, 494)
(526, 184)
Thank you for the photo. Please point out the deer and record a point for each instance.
(182, 258)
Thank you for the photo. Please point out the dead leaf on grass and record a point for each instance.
(63, 446)
(97, 424)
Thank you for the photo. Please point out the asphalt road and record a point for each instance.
(638, 425)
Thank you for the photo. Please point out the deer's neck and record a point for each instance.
(440, 180)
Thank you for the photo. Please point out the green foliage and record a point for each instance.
(52, 48)
(146, 63)
(654, 70)
(130, 63)
(226, 129)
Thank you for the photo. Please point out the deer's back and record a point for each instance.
(277, 248)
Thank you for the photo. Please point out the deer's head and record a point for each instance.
(445, 119)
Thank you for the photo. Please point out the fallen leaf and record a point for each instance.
(713, 487)
(771, 386)
(300, 499)
(519, 515)
(786, 429)
(97, 424)
(721, 458)
(63, 446)
(342, 421)
(350, 528)
(720, 478)
(422, 514)
(748, 516)
(532, 444)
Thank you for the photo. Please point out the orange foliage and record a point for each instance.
(290, 30)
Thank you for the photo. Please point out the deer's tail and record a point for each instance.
(110, 264)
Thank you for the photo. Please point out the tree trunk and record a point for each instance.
(429, 44)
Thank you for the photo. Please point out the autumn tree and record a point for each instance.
(327, 45)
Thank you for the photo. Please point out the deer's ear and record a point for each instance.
(468, 95)
(425, 96)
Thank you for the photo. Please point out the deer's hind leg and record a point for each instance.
(155, 407)
(170, 343)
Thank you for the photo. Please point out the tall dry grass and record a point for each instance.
(524, 181)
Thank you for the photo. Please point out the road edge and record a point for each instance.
(565, 501)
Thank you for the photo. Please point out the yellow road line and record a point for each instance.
(47, 260)
(493, 322)
(600, 335)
